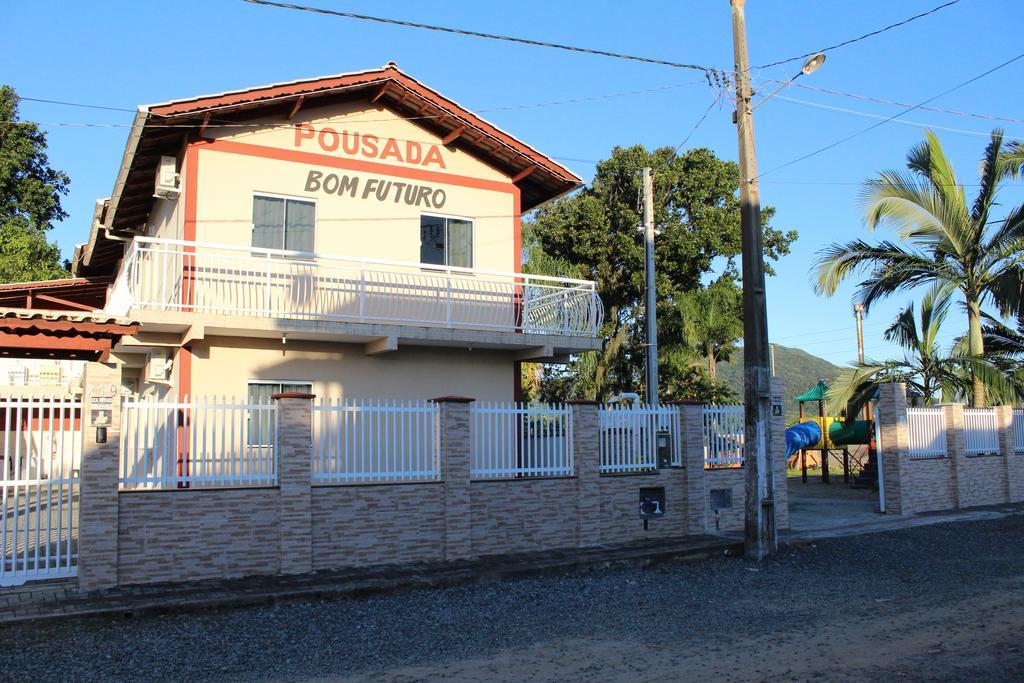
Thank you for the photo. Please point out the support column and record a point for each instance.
(777, 451)
(294, 457)
(1014, 460)
(894, 442)
(586, 460)
(97, 511)
(453, 447)
(691, 430)
(956, 449)
(1004, 426)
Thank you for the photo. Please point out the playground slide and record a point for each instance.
(807, 434)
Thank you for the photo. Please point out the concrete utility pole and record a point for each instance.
(650, 311)
(858, 311)
(759, 528)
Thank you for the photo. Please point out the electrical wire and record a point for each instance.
(860, 38)
(868, 115)
(491, 36)
(888, 119)
(716, 100)
(880, 100)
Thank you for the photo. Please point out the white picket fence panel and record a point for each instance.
(368, 441)
(628, 436)
(1018, 431)
(724, 435)
(520, 440)
(42, 450)
(217, 442)
(926, 430)
(981, 434)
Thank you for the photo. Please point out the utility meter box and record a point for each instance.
(652, 502)
(663, 439)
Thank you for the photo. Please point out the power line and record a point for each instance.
(888, 119)
(509, 107)
(859, 38)
(716, 100)
(868, 115)
(880, 100)
(491, 36)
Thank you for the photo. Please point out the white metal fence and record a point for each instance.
(926, 431)
(724, 435)
(366, 441)
(199, 443)
(1018, 431)
(981, 435)
(230, 279)
(628, 436)
(42, 449)
(520, 440)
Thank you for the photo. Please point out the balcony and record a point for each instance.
(229, 280)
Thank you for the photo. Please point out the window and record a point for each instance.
(280, 223)
(446, 241)
(261, 425)
(260, 392)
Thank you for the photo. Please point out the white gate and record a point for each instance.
(42, 449)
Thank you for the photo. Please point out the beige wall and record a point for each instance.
(224, 366)
(346, 225)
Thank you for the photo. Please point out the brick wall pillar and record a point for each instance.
(294, 455)
(453, 448)
(97, 516)
(691, 431)
(1014, 467)
(1004, 423)
(777, 451)
(586, 461)
(894, 442)
(955, 448)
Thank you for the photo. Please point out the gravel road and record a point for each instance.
(942, 602)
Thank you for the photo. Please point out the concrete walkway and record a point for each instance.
(815, 506)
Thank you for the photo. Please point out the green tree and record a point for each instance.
(944, 240)
(710, 321)
(698, 216)
(30, 194)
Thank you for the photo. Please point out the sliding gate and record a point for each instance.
(41, 455)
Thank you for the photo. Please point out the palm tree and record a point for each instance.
(942, 239)
(710, 322)
(925, 369)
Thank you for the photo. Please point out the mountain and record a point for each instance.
(799, 369)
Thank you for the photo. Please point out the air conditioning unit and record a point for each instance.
(167, 178)
(158, 366)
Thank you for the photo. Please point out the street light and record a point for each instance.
(812, 64)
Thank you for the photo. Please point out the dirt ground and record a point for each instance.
(966, 640)
(933, 603)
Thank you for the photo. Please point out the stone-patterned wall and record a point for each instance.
(726, 478)
(523, 514)
(620, 506)
(197, 534)
(981, 480)
(1015, 477)
(362, 525)
(927, 485)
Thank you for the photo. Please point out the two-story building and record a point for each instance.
(355, 235)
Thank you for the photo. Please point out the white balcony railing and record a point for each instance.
(169, 275)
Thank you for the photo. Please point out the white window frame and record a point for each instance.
(280, 382)
(449, 216)
(286, 197)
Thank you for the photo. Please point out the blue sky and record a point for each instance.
(121, 54)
